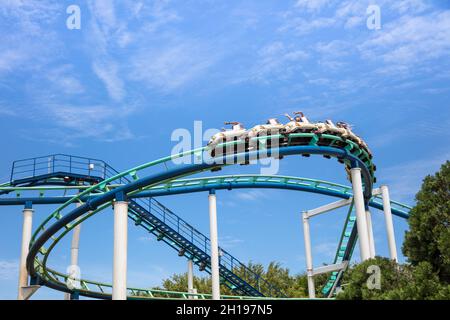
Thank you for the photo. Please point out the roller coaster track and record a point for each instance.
(99, 196)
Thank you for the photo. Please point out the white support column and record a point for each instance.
(389, 222)
(75, 245)
(190, 277)
(214, 246)
(119, 289)
(361, 222)
(370, 233)
(26, 238)
(74, 248)
(308, 254)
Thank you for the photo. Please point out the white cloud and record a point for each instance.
(334, 48)
(251, 195)
(173, 66)
(9, 269)
(228, 242)
(312, 5)
(410, 41)
(26, 40)
(108, 72)
(73, 122)
(415, 6)
(63, 78)
(277, 61)
(104, 12)
(301, 26)
(11, 58)
(6, 111)
(404, 180)
(325, 249)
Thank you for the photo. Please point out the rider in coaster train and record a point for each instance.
(355, 138)
(297, 124)
(236, 132)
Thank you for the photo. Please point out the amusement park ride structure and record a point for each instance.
(92, 185)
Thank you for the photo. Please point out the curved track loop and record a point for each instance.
(352, 157)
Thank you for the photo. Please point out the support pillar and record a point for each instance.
(215, 279)
(74, 250)
(389, 222)
(308, 253)
(361, 223)
(26, 238)
(119, 289)
(370, 233)
(190, 277)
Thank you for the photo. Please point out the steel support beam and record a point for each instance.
(190, 277)
(330, 268)
(389, 223)
(361, 223)
(329, 207)
(370, 233)
(26, 238)
(214, 246)
(74, 251)
(308, 254)
(119, 289)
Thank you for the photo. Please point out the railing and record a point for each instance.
(29, 168)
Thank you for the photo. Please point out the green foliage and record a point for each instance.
(294, 286)
(398, 282)
(429, 236)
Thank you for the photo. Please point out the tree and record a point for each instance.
(293, 286)
(354, 281)
(397, 282)
(429, 236)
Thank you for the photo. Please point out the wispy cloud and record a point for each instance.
(63, 78)
(312, 5)
(174, 65)
(276, 61)
(410, 41)
(325, 249)
(6, 111)
(9, 269)
(75, 122)
(251, 195)
(404, 180)
(108, 72)
(26, 43)
(228, 242)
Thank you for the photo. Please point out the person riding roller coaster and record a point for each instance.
(236, 133)
(354, 138)
(299, 124)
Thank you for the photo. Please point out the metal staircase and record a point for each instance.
(191, 243)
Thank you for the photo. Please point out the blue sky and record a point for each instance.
(137, 70)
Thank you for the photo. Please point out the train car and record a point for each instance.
(237, 132)
(298, 124)
(271, 128)
(328, 127)
(355, 138)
